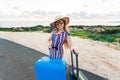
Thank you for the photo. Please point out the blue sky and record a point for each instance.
(82, 11)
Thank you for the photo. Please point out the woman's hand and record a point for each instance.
(49, 42)
(74, 50)
(49, 46)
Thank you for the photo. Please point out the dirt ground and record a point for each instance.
(100, 58)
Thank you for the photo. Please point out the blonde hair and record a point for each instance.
(67, 29)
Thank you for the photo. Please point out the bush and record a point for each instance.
(6, 29)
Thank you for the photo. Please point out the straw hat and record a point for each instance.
(65, 19)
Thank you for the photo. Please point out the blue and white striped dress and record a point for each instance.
(57, 44)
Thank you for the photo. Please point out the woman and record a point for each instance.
(59, 36)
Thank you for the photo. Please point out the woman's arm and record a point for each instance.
(70, 46)
(69, 42)
(49, 41)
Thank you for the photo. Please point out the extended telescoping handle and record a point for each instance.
(75, 53)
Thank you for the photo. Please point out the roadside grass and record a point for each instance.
(104, 37)
(6, 29)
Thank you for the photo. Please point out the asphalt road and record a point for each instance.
(17, 61)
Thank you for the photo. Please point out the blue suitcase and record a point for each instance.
(50, 69)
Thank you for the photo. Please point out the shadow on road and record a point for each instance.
(92, 76)
(87, 74)
(17, 62)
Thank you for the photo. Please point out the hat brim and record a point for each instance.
(66, 19)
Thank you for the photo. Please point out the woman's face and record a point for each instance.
(59, 24)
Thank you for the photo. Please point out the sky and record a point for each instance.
(45, 11)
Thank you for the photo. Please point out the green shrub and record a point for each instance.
(95, 36)
(82, 34)
(5, 29)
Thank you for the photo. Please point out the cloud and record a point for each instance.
(87, 15)
(53, 14)
(114, 21)
(85, 5)
(40, 13)
(16, 8)
(114, 14)
(104, 0)
(26, 13)
(36, 13)
(20, 14)
(0, 11)
(83, 14)
(79, 15)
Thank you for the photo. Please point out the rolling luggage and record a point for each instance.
(75, 74)
(50, 69)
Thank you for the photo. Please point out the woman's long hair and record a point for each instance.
(67, 29)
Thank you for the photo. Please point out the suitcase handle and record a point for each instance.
(75, 53)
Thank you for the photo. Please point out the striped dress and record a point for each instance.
(57, 44)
